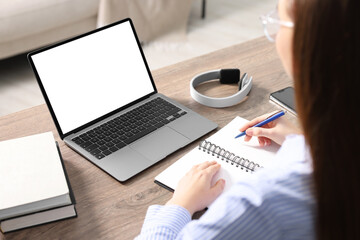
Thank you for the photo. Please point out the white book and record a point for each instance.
(32, 178)
(237, 157)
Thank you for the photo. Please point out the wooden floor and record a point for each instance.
(227, 22)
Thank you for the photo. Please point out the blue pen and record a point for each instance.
(267, 120)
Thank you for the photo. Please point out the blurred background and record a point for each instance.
(170, 31)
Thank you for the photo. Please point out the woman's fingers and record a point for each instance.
(247, 138)
(212, 170)
(252, 123)
(204, 165)
(255, 121)
(195, 190)
(260, 132)
(217, 189)
(261, 142)
(207, 169)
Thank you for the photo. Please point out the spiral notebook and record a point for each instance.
(237, 157)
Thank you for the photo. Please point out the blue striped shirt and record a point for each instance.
(274, 203)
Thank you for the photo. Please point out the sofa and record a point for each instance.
(29, 24)
(26, 25)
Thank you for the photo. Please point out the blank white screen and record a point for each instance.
(94, 75)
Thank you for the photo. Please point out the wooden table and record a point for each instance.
(108, 209)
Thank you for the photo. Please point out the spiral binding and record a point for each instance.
(227, 156)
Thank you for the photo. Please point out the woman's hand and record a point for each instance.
(276, 130)
(194, 191)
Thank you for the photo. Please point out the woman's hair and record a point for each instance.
(326, 70)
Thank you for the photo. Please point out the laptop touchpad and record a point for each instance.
(160, 143)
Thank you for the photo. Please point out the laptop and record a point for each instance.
(105, 105)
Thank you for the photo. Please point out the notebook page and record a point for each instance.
(252, 151)
(171, 176)
(224, 138)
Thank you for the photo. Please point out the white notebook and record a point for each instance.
(31, 176)
(236, 157)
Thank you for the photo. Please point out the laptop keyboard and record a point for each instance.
(127, 128)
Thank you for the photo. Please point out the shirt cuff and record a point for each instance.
(172, 217)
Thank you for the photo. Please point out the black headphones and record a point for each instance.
(226, 76)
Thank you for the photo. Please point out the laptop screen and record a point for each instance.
(91, 76)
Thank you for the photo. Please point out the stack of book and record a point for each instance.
(34, 186)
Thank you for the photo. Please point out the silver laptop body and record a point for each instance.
(95, 84)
